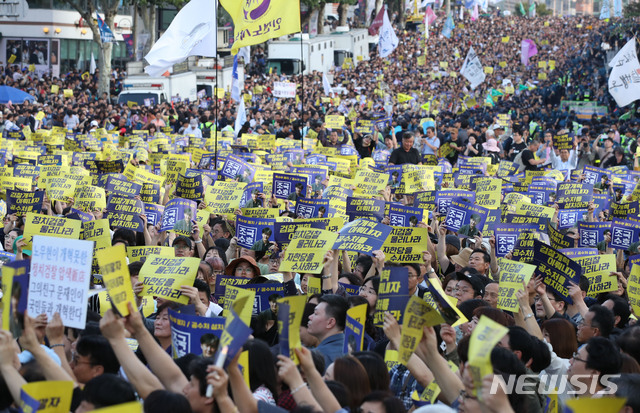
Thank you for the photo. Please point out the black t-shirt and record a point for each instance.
(517, 148)
(400, 156)
(527, 155)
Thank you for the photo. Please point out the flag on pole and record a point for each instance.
(472, 69)
(258, 21)
(617, 8)
(624, 80)
(193, 32)
(527, 49)
(448, 27)
(241, 118)
(475, 14)
(235, 82)
(326, 85)
(532, 10)
(106, 35)
(429, 16)
(522, 10)
(376, 24)
(605, 13)
(388, 40)
(92, 65)
(245, 53)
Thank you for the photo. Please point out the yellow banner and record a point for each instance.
(483, 339)
(163, 276)
(296, 308)
(39, 224)
(46, 397)
(512, 275)
(241, 301)
(417, 314)
(116, 277)
(257, 22)
(598, 270)
(369, 182)
(405, 245)
(307, 249)
(314, 285)
(489, 192)
(137, 253)
(334, 121)
(224, 197)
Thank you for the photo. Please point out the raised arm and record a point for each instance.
(141, 378)
(161, 363)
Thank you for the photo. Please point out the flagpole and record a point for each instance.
(215, 95)
(302, 86)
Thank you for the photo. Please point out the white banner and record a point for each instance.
(59, 279)
(284, 89)
(624, 80)
(472, 69)
(313, 23)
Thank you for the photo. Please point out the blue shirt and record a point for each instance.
(331, 348)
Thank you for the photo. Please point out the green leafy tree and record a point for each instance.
(632, 9)
(542, 10)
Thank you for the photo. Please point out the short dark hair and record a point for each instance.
(267, 230)
(620, 308)
(135, 267)
(407, 135)
(603, 319)
(629, 341)
(99, 351)
(164, 401)
(603, 355)
(336, 308)
(520, 340)
(485, 255)
(202, 286)
(108, 390)
(198, 370)
(628, 385)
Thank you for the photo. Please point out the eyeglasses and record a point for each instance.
(245, 270)
(181, 247)
(367, 290)
(582, 324)
(576, 358)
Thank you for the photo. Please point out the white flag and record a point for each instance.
(245, 52)
(191, 33)
(92, 65)
(326, 85)
(624, 80)
(388, 40)
(472, 69)
(241, 118)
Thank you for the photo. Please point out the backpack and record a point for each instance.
(518, 160)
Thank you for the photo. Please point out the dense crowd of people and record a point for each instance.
(512, 119)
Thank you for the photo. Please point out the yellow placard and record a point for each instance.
(163, 276)
(116, 277)
(60, 188)
(444, 65)
(591, 404)
(502, 64)
(417, 314)
(489, 192)
(334, 121)
(224, 197)
(512, 275)
(306, 251)
(488, 70)
(533, 210)
(296, 304)
(314, 285)
(598, 270)
(633, 289)
(39, 224)
(240, 300)
(137, 253)
(46, 396)
(68, 93)
(405, 244)
(483, 339)
(12, 58)
(55, 89)
(97, 230)
(505, 39)
(369, 183)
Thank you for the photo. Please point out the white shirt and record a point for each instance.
(558, 164)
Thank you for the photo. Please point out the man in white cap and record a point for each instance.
(193, 129)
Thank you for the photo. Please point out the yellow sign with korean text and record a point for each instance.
(163, 276)
(116, 277)
(306, 251)
(483, 339)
